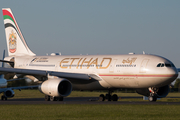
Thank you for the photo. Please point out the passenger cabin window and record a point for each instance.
(165, 65)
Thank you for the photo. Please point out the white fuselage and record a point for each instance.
(112, 71)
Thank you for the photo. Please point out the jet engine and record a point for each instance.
(57, 87)
(9, 93)
(161, 92)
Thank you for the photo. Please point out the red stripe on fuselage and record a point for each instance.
(134, 75)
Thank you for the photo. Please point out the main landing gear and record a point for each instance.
(3, 97)
(51, 98)
(108, 96)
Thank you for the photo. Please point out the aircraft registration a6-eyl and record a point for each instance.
(149, 74)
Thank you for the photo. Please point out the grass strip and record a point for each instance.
(89, 112)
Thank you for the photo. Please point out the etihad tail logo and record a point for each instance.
(129, 61)
(12, 42)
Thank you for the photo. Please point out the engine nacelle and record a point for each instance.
(162, 92)
(56, 87)
(9, 93)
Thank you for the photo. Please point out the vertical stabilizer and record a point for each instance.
(16, 44)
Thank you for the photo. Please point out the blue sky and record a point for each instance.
(98, 26)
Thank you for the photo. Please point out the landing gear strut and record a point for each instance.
(108, 97)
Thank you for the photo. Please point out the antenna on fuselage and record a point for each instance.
(144, 52)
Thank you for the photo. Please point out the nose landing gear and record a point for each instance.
(153, 97)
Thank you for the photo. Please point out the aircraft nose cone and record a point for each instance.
(170, 75)
(174, 73)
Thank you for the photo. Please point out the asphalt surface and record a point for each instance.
(80, 100)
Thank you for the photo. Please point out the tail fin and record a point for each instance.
(16, 44)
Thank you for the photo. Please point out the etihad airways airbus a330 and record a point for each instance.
(150, 75)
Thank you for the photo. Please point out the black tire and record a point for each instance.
(52, 98)
(61, 99)
(152, 98)
(101, 97)
(47, 98)
(115, 97)
(3, 98)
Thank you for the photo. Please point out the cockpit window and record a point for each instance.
(159, 65)
(165, 65)
(168, 65)
(162, 65)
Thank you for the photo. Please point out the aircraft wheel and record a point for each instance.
(47, 98)
(115, 97)
(3, 98)
(152, 98)
(52, 98)
(56, 98)
(101, 97)
(61, 98)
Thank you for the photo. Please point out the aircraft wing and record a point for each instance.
(71, 76)
(23, 87)
(18, 88)
(15, 79)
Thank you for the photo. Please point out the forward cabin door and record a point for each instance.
(143, 66)
(112, 66)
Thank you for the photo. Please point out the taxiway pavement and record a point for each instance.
(78, 100)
